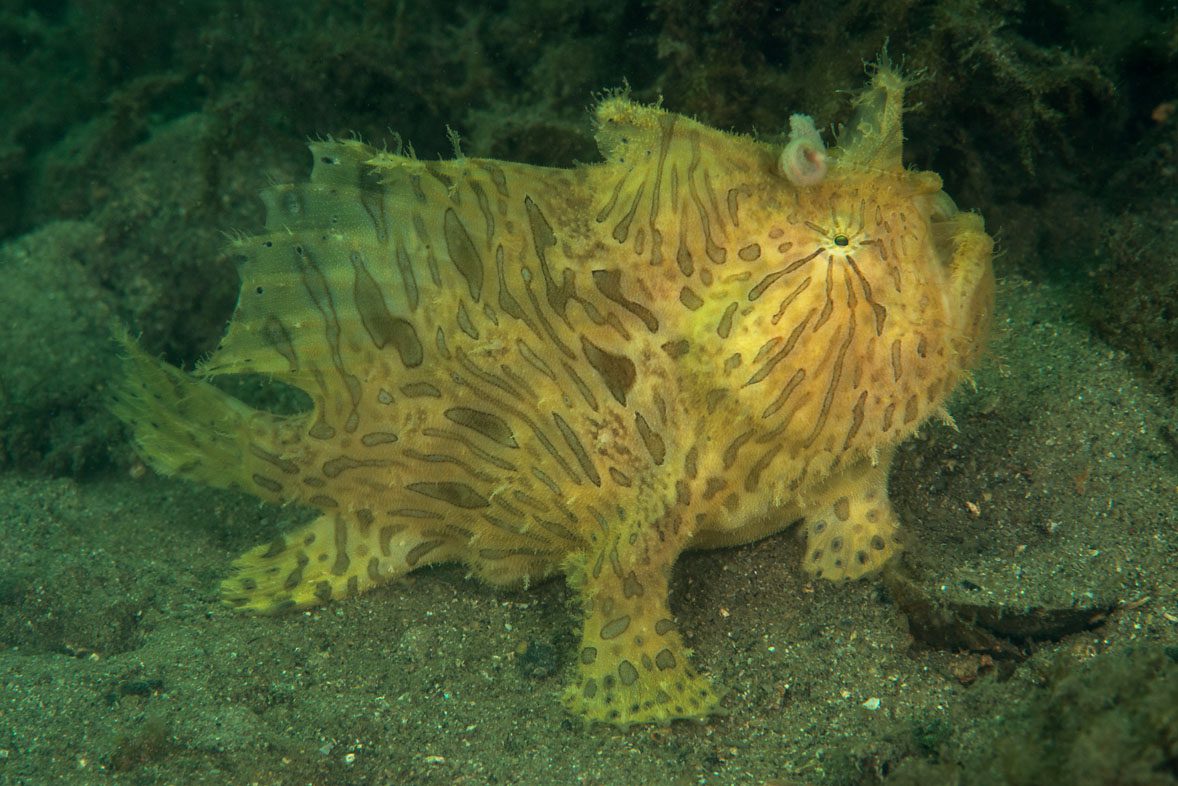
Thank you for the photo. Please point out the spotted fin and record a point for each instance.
(336, 556)
(853, 532)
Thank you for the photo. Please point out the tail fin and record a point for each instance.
(185, 427)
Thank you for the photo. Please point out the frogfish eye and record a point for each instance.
(841, 240)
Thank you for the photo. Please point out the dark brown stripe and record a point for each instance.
(856, 419)
(463, 253)
(488, 424)
(271, 485)
(785, 393)
(609, 283)
(725, 326)
(654, 443)
(420, 550)
(617, 371)
(578, 449)
(342, 561)
(275, 334)
(455, 493)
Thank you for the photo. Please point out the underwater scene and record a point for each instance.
(596, 392)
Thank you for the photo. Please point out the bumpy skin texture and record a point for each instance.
(536, 371)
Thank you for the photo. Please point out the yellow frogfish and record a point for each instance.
(697, 342)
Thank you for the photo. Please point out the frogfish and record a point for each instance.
(699, 341)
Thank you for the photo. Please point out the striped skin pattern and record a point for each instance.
(583, 372)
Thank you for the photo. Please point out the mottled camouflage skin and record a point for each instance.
(586, 371)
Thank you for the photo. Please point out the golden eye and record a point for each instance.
(841, 240)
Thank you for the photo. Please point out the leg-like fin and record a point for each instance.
(851, 530)
(336, 556)
(632, 666)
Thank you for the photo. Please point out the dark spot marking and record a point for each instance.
(631, 586)
(488, 424)
(333, 468)
(463, 253)
(878, 311)
(374, 438)
(627, 673)
(543, 238)
(275, 334)
(609, 283)
(408, 279)
(856, 419)
(654, 443)
(615, 627)
(683, 253)
(457, 494)
(691, 462)
(589, 655)
(754, 477)
(842, 508)
(619, 477)
(665, 659)
(386, 536)
(622, 228)
(383, 328)
(574, 443)
(713, 487)
(734, 447)
(274, 548)
(321, 430)
(750, 252)
(295, 577)
(725, 326)
(911, 409)
(269, 484)
(618, 372)
(464, 323)
(420, 550)
(507, 301)
(342, 561)
(537, 362)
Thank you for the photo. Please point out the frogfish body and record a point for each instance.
(584, 371)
